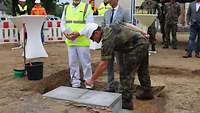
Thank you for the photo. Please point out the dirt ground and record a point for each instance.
(19, 95)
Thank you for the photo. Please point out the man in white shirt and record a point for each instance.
(74, 18)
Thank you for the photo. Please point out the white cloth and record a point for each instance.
(82, 53)
(89, 18)
(197, 6)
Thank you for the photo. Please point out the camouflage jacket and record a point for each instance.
(172, 13)
(151, 7)
(120, 38)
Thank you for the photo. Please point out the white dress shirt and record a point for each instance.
(197, 6)
(89, 18)
(115, 10)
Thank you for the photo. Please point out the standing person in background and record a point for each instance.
(114, 15)
(173, 11)
(21, 9)
(162, 20)
(39, 10)
(104, 6)
(74, 18)
(152, 7)
(94, 7)
(193, 19)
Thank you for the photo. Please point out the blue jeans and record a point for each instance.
(42, 34)
(110, 72)
(194, 32)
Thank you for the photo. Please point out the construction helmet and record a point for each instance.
(37, 1)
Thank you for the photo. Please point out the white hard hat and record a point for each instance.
(91, 28)
(37, 1)
(22, 0)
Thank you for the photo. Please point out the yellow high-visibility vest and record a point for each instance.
(75, 20)
(22, 9)
(102, 8)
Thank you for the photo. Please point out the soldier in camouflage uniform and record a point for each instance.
(173, 11)
(134, 47)
(151, 6)
(162, 20)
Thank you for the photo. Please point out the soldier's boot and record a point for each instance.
(153, 47)
(144, 93)
(114, 88)
(127, 104)
(165, 46)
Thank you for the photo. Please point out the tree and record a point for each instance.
(50, 6)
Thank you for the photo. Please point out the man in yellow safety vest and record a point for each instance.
(104, 6)
(74, 18)
(22, 8)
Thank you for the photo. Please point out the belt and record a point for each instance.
(75, 21)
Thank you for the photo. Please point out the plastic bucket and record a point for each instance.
(19, 73)
(34, 70)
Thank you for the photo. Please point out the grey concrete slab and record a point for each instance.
(99, 98)
(126, 111)
(88, 97)
(66, 93)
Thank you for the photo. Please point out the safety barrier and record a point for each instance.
(8, 32)
(52, 31)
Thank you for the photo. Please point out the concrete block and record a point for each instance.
(88, 97)
(126, 111)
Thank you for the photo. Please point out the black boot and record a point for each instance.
(144, 93)
(127, 104)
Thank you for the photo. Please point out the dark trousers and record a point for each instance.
(110, 70)
(162, 29)
(135, 61)
(194, 32)
(152, 36)
(171, 28)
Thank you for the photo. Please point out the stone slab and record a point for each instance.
(88, 97)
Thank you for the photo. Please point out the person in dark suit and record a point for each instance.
(114, 15)
(193, 19)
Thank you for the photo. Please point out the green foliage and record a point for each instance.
(8, 5)
(50, 6)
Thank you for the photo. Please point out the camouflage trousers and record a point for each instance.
(152, 36)
(134, 61)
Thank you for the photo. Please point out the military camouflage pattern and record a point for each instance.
(133, 48)
(172, 13)
(152, 7)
